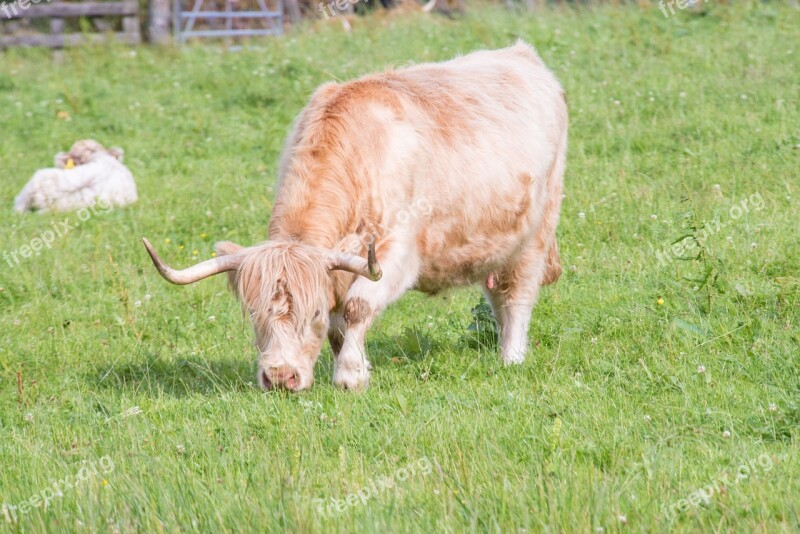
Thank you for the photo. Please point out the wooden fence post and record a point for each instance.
(294, 11)
(159, 19)
(57, 29)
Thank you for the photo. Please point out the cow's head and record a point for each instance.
(287, 290)
(82, 153)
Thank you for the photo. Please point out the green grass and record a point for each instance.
(608, 417)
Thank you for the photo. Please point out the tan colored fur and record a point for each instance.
(454, 169)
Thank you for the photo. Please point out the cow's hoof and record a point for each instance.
(513, 359)
(352, 379)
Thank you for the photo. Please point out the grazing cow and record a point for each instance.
(88, 173)
(425, 178)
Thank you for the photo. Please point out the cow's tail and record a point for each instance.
(555, 185)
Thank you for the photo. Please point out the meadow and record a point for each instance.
(661, 391)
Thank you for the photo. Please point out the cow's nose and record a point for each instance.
(282, 377)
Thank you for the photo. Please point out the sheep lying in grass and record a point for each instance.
(88, 173)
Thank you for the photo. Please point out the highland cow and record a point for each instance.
(430, 177)
(87, 174)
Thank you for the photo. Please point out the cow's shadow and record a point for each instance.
(159, 376)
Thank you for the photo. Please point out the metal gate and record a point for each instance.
(199, 22)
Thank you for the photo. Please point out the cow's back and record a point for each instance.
(452, 158)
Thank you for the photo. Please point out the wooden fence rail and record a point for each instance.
(57, 12)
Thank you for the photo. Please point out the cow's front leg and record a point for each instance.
(364, 302)
(350, 366)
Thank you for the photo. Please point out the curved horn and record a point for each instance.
(194, 273)
(368, 268)
(427, 8)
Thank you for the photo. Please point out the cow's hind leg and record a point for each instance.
(512, 298)
(517, 288)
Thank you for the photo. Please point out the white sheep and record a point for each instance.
(88, 173)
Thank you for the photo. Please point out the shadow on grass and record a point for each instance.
(159, 375)
(179, 377)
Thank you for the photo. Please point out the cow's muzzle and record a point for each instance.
(282, 377)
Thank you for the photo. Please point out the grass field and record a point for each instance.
(658, 393)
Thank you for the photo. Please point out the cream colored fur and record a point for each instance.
(98, 176)
(454, 169)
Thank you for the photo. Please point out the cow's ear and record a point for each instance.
(60, 160)
(117, 153)
(227, 248)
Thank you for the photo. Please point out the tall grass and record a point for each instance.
(640, 386)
